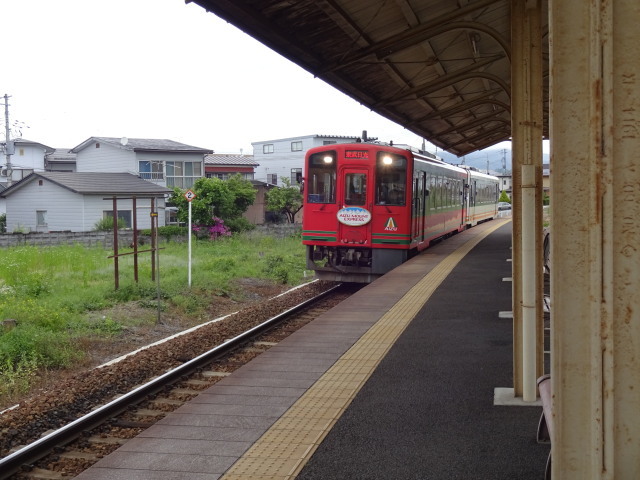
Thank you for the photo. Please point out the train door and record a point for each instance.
(355, 215)
(462, 185)
(473, 193)
(419, 206)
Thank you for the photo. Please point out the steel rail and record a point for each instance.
(33, 452)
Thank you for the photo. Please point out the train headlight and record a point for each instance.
(328, 159)
(387, 160)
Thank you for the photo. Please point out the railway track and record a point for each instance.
(71, 434)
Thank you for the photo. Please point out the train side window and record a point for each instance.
(432, 192)
(391, 178)
(320, 184)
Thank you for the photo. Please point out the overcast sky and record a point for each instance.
(161, 69)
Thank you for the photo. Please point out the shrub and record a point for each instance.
(34, 285)
(167, 231)
(108, 326)
(239, 224)
(128, 293)
(46, 348)
(277, 267)
(106, 224)
(224, 264)
(16, 378)
(3, 223)
(214, 229)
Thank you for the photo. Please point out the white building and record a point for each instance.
(24, 158)
(164, 162)
(505, 183)
(71, 201)
(285, 157)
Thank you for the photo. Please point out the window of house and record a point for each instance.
(151, 170)
(171, 216)
(296, 146)
(183, 174)
(272, 178)
(296, 176)
(21, 151)
(267, 148)
(328, 142)
(41, 218)
(228, 175)
(124, 215)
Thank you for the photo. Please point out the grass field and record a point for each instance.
(49, 296)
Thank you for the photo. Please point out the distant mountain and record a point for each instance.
(479, 160)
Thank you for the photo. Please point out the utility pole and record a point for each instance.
(504, 161)
(8, 147)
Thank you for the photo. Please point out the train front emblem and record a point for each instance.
(354, 216)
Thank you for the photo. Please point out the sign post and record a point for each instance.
(189, 195)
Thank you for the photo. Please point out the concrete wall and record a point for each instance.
(125, 237)
(104, 239)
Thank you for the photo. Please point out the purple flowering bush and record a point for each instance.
(214, 230)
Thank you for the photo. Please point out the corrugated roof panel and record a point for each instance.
(439, 68)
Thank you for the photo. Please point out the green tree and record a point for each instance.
(286, 200)
(504, 197)
(225, 199)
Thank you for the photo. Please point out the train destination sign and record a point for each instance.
(354, 216)
(361, 154)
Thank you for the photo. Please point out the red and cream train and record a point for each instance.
(369, 207)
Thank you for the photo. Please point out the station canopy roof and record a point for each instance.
(439, 68)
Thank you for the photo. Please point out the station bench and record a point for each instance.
(545, 425)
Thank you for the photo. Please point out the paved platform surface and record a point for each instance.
(427, 411)
(397, 382)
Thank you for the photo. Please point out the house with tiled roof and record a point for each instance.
(225, 165)
(76, 201)
(165, 162)
(60, 160)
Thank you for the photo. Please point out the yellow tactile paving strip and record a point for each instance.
(287, 446)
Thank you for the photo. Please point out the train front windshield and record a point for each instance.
(355, 189)
(321, 178)
(391, 179)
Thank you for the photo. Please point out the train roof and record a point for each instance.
(418, 154)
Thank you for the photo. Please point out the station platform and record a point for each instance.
(397, 382)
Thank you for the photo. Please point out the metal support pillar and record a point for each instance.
(595, 239)
(527, 254)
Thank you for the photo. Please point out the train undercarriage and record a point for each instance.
(353, 264)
